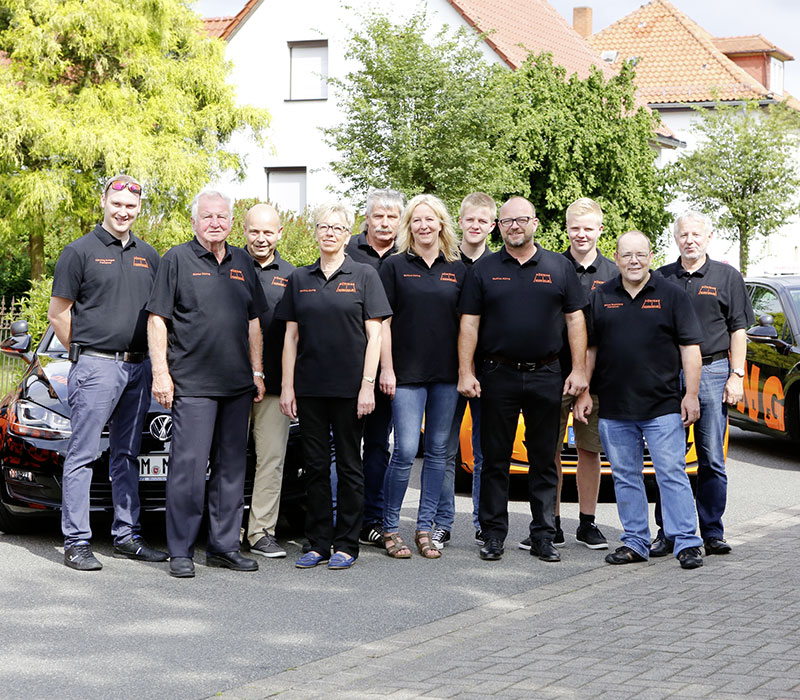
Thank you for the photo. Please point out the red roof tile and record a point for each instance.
(754, 43)
(225, 27)
(216, 26)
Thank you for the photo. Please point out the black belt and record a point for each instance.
(134, 357)
(523, 366)
(721, 355)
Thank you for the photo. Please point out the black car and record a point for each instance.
(35, 429)
(771, 401)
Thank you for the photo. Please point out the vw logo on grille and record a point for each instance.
(161, 427)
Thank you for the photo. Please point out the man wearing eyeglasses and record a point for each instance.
(101, 285)
(205, 342)
(643, 332)
(514, 304)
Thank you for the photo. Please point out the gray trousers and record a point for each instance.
(101, 391)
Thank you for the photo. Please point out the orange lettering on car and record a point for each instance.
(750, 384)
(773, 404)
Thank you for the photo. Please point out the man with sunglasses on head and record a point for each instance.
(514, 305)
(101, 284)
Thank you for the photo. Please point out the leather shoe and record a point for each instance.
(624, 555)
(137, 548)
(231, 560)
(690, 558)
(492, 550)
(661, 547)
(181, 567)
(715, 545)
(545, 550)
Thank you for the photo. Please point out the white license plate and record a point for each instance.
(153, 467)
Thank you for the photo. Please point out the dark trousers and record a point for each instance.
(504, 392)
(319, 417)
(377, 427)
(207, 431)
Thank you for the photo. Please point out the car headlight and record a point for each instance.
(32, 420)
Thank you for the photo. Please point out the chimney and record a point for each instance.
(582, 21)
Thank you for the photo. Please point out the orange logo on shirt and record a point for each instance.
(237, 274)
(201, 274)
(651, 304)
(448, 277)
(279, 281)
(408, 274)
(346, 287)
(303, 291)
(140, 262)
(501, 279)
(597, 283)
(542, 277)
(105, 261)
(615, 305)
(705, 290)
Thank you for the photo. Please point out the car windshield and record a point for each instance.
(795, 293)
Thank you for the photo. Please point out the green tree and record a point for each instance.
(435, 116)
(89, 89)
(743, 174)
(419, 113)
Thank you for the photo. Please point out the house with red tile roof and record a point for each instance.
(281, 55)
(681, 66)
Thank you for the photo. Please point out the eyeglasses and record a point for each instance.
(641, 257)
(521, 221)
(338, 230)
(119, 185)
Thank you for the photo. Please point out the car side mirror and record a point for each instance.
(764, 331)
(20, 341)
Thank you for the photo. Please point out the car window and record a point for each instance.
(766, 301)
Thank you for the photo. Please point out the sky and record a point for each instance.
(777, 20)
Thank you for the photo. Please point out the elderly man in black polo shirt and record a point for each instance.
(263, 230)
(205, 344)
(514, 305)
(372, 246)
(722, 305)
(643, 330)
(101, 284)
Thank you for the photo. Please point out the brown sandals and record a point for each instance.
(422, 539)
(395, 546)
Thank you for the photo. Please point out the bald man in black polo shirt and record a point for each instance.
(101, 284)
(205, 343)
(514, 305)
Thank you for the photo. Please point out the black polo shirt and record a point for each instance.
(362, 252)
(110, 286)
(274, 278)
(600, 270)
(330, 314)
(637, 372)
(469, 262)
(719, 298)
(425, 320)
(208, 307)
(521, 307)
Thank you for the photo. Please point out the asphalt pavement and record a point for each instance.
(455, 627)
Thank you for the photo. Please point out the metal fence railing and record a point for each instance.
(10, 368)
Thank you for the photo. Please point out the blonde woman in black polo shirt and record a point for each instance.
(419, 363)
(333, 311)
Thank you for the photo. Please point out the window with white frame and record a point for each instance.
(308, 70)
(286, 188)
(776, 75)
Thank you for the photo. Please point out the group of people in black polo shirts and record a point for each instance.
(393, 329)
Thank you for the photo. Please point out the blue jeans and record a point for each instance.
(709, 440)
(446, 512)
(437, 402)
(622, 442)
(101, 391)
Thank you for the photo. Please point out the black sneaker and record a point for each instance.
(440, 537)
(590, 536)
(558, 540)
(79, 557)
(526, 544)
(137, 548)
(371, 535)
(624, 555)
(268, 547)
(690, 558)
(479, 539)
(661, 546)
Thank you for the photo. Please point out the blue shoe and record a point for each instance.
(341, 561)
(309, 560)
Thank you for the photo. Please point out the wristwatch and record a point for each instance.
(258, 374)
(739, 372)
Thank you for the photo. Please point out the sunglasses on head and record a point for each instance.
(119, 185)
